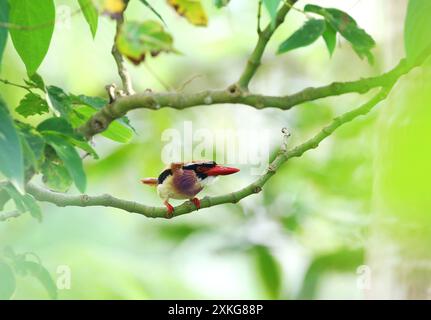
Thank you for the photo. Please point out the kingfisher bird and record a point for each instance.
(185, 180)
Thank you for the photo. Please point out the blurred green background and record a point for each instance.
(309, 230)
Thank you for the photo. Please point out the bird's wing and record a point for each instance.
(186, 182)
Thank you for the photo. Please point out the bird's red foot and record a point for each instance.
(196, 202)
(170, 208)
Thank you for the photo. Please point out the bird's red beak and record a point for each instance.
(220, 171)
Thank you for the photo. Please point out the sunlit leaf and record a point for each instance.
(7, 281)
(330, 37)
(70, 157)
(11, 155)
(272, 7)
(32, 39)
(136, 40)
(306, 35)
(192, 10)
(98, 103)
(417, 30)
(4, 18)
(116, 131)
(342, 22)
(91, 14)
(31, 105)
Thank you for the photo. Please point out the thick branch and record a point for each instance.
(233, 95)
(187, 207)
(254, 61)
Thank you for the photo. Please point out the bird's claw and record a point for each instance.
(196, 202)
(170, 210)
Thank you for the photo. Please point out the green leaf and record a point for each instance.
(31, 105)
(36, 81)
(40, 273)
(360, 40)
(24, 203)
(7, 281)
(90, 14)
(192, 10)
(55, 175)
(70, 157)
(95, 102)
(36, 20)
(272, 7)
(11, 155)
(33, 146)
(149, 6)
(98, 103)
(116, 131)
(77, 142)
(59, 101)
(330, 37)
(221, 3)
(62, 128)
(16, 197)
(4, 198)
(306, 35)
(344, 260)
(136, 40)
(56, 124)
(269, 271)
(32, 206)
(417, 30)
(4, 18)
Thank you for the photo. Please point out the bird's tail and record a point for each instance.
(149, 181)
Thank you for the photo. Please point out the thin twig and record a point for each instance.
(259, 15)
(121, 64)
(164, 84)
(7, 82)
(11, 214)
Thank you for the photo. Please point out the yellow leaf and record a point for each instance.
(192, 10)
(113, 8)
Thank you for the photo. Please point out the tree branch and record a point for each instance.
(232, 95)
(121, 65)
(283, 156)
(254, 61)
(11, 214)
